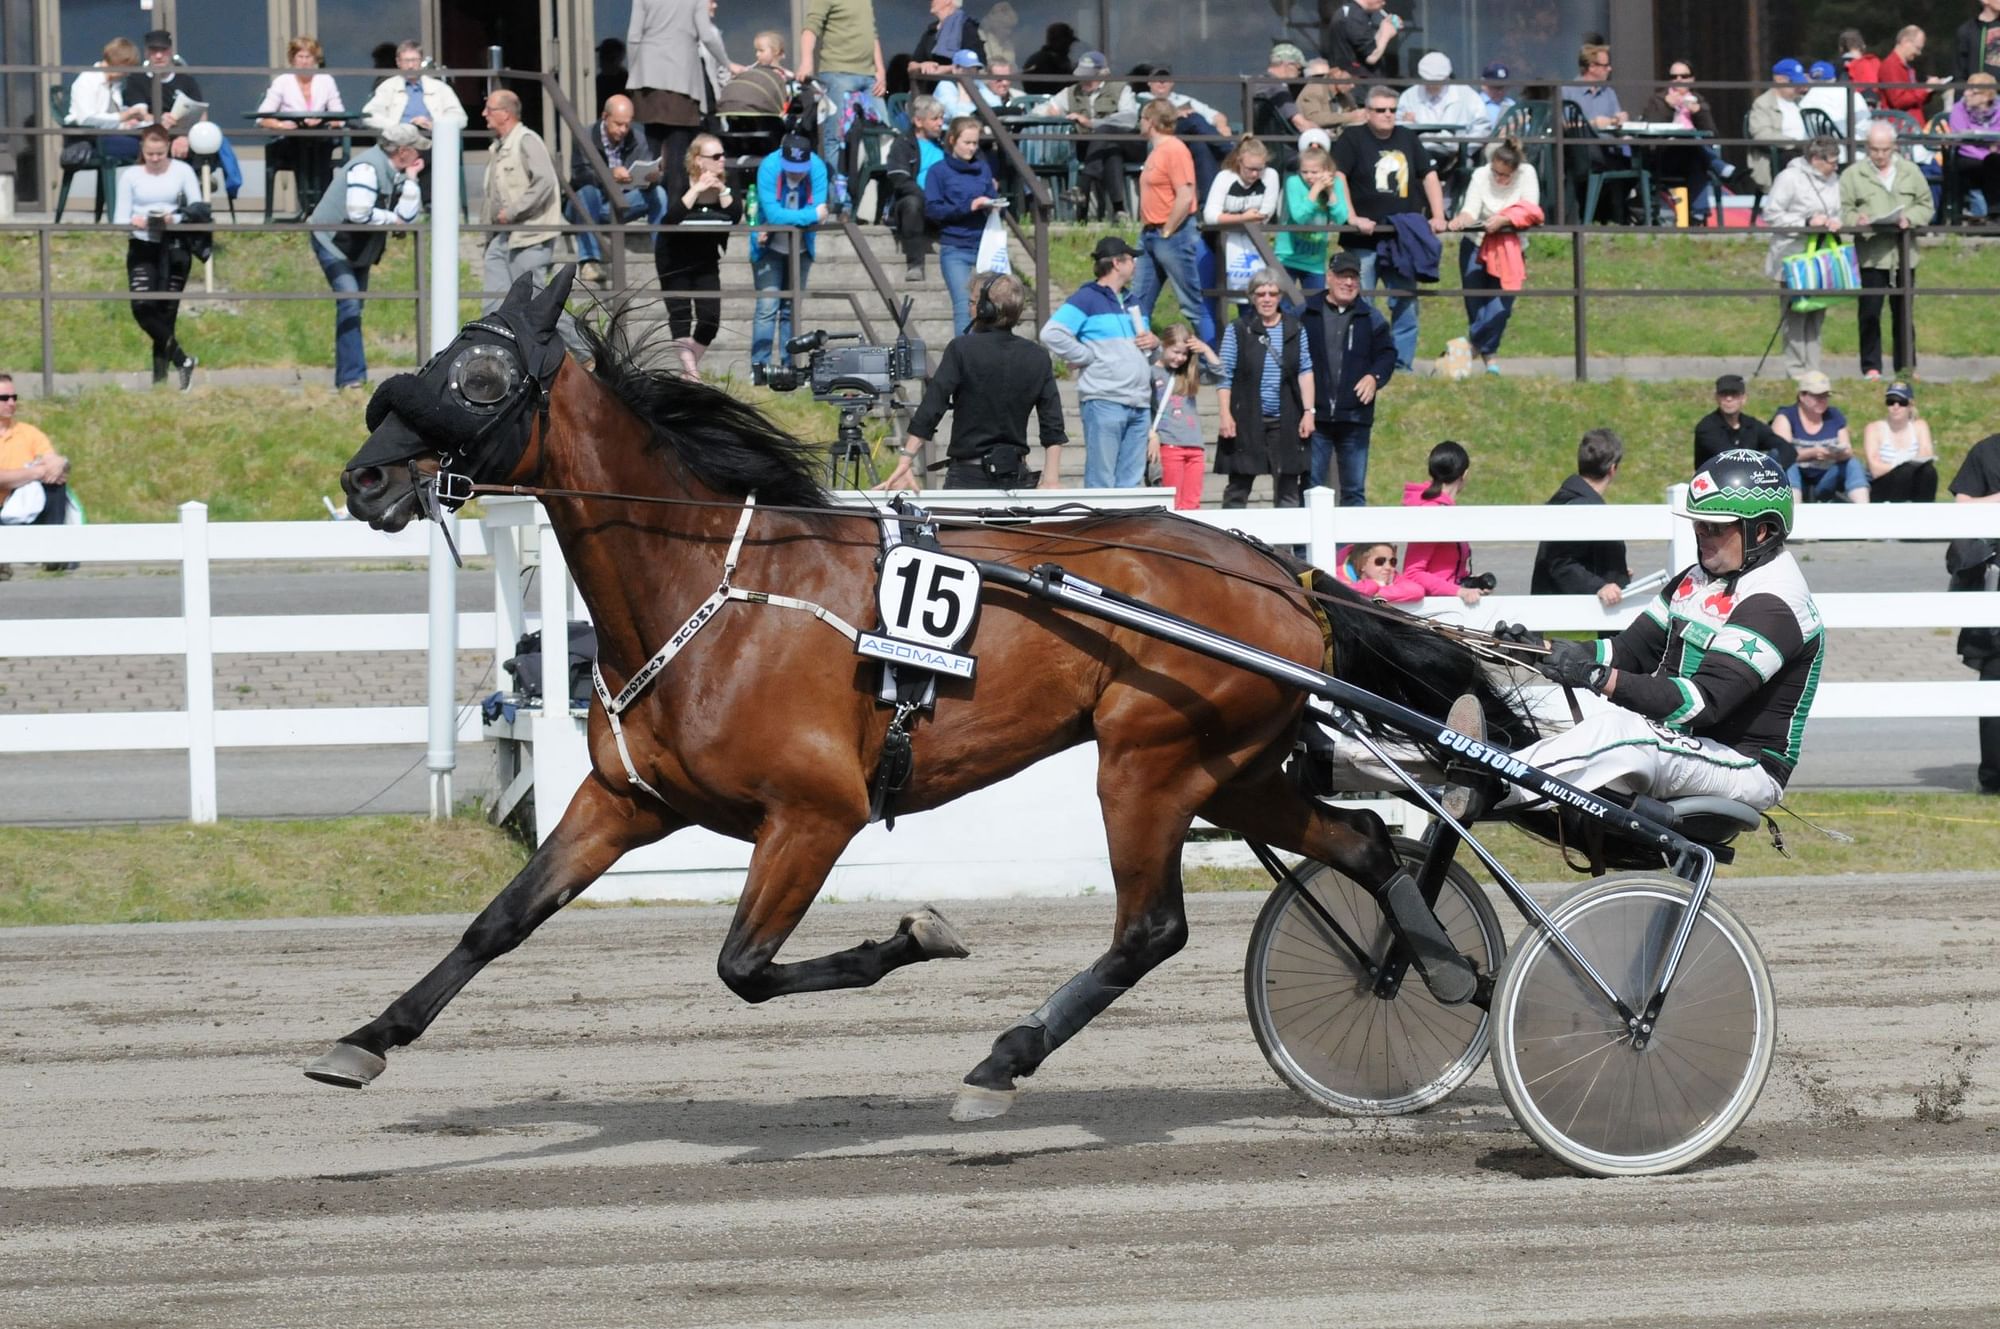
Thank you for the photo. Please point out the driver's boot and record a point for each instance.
(1471, 791)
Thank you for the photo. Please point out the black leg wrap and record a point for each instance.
(1073, 1005)
(1448, 974)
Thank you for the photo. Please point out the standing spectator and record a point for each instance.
(1353, 359)
(612, 75)
(1683, 165)
(1881, 196)
(1382, 162)
(911, 158)
(1977, 114)
(989, 379)
(96, 101)
(1972, 564)
(622, 150)
(1439, 101)
(1977, 49)
(1316, 198)
(1186, 362)
(957, 195)
(1098, 107)
(792, 190)
(521, 195)
(161, 85)
(424, 101)
(1902, 461)
(1823, 461)
(1585, 567)
(1245, 190)
(1443, 567)
(33, 475)
(1494, 101)
(151, 198)
(1775, 118)
(309, 157)
(1171, 245)
(1100, 331)
(952, 97)
(1002, 22)
(839, 48)
(762, 88)
(1048, 69)
(1900, 66)
(1357, 34)
(1267, 401)
(1503, 200)
(689, 260)
(1805, 194)
(377, 189)
(1857, 66)
(1727, 428)
(950, 31)
(667, 43)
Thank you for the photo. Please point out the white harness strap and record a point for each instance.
(614, 707)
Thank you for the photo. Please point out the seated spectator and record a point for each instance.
(1979, 163)
(1775, 118)
(763, 88)
(1824, 463)
(957, 195)
(96, 101)
(1727, 428)
(1856, 65)
(1598, 101)
(1683, 165)
(1827, 95)
(1246, 189)
(1442, 567)
(161, 85)
(622, 151)
(288, 108)
(1008, 99)
(1439, 101)
(1494, 102)
(1317, 198)
(1503, 199)
(689, 259)
(1327, 100)
(1585, 567)
(950, 31)
(1899, 66)
(1371, 570)
(1277, 99)
(793, 189)
(1099, 107)
(952, 97)
(33, 475)
(910, 160)
(1902, 463)
(412, 97)
(1207, 119)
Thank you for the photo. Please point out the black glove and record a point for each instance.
(1573, 664)
(1517, 634)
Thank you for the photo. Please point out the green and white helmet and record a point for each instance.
(1746, 486)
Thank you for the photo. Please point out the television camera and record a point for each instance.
(857, 379)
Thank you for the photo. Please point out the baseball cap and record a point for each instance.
(1815, 381)
(1435, 67)
(1316, 138)
(1091, 63)
(1160, 71)
(405, 136)
(159, 39)
(1494, 73)
(796, 150)
(1822, 71)
(1789, 68)
(1898, 391)
(1729, 383)
(1286, 53)
(1113, 246)
(1343, 260)
(967, 59)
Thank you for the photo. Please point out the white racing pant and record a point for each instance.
(1617, 749)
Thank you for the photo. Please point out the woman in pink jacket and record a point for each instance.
(1443, 567)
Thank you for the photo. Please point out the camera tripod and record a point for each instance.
(850, 460)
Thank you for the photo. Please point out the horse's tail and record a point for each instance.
(1394, 656)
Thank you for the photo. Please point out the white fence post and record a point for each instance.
(442, 691)
(1680, 538)
(1321, 500)
(200, 662)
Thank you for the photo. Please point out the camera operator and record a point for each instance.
(989, 379)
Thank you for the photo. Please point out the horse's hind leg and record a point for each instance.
(599, 826)
(787, 869)
(1269, 808)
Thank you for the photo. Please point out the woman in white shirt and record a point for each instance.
(1902, 460)
(1506, 182)
(95, 102)
(151, 197)
(307, 155)
(1246, 189)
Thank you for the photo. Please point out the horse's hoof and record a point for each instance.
(936, 938)
(346, 1066)
(977, 1104)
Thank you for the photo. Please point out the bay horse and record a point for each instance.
(761, 728)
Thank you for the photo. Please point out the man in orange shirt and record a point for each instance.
(27, 458)
(1169, 242)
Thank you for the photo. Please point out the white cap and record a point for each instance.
(1434, 68)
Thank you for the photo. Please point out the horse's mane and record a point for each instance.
(729, 445)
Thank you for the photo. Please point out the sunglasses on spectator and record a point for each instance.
(1382, 561)
(9, 396)
(1680, 73)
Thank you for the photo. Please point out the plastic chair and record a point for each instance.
(107, 170)
(1577, 126)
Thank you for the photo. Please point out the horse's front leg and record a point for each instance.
(791, 861)
(600, 825)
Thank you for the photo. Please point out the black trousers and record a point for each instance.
(157, 266)
(972, 475)
(700, 316)
(1911, 482)
(1103, 172)
(1989, 732)
(905, 214)
(1869, 310)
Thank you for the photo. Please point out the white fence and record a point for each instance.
(198, 636)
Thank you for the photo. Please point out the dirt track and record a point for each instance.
(597, 1133)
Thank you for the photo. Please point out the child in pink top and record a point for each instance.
(1441, 567)
(1371, 570)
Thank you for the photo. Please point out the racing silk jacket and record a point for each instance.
(1733, 659)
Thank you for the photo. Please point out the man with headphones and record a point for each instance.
(989, 379)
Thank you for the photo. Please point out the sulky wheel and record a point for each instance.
(1330, 1027)
(1566, 1061)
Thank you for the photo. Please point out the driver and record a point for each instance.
(1713, 682)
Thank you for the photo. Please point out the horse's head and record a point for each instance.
(471, 411)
